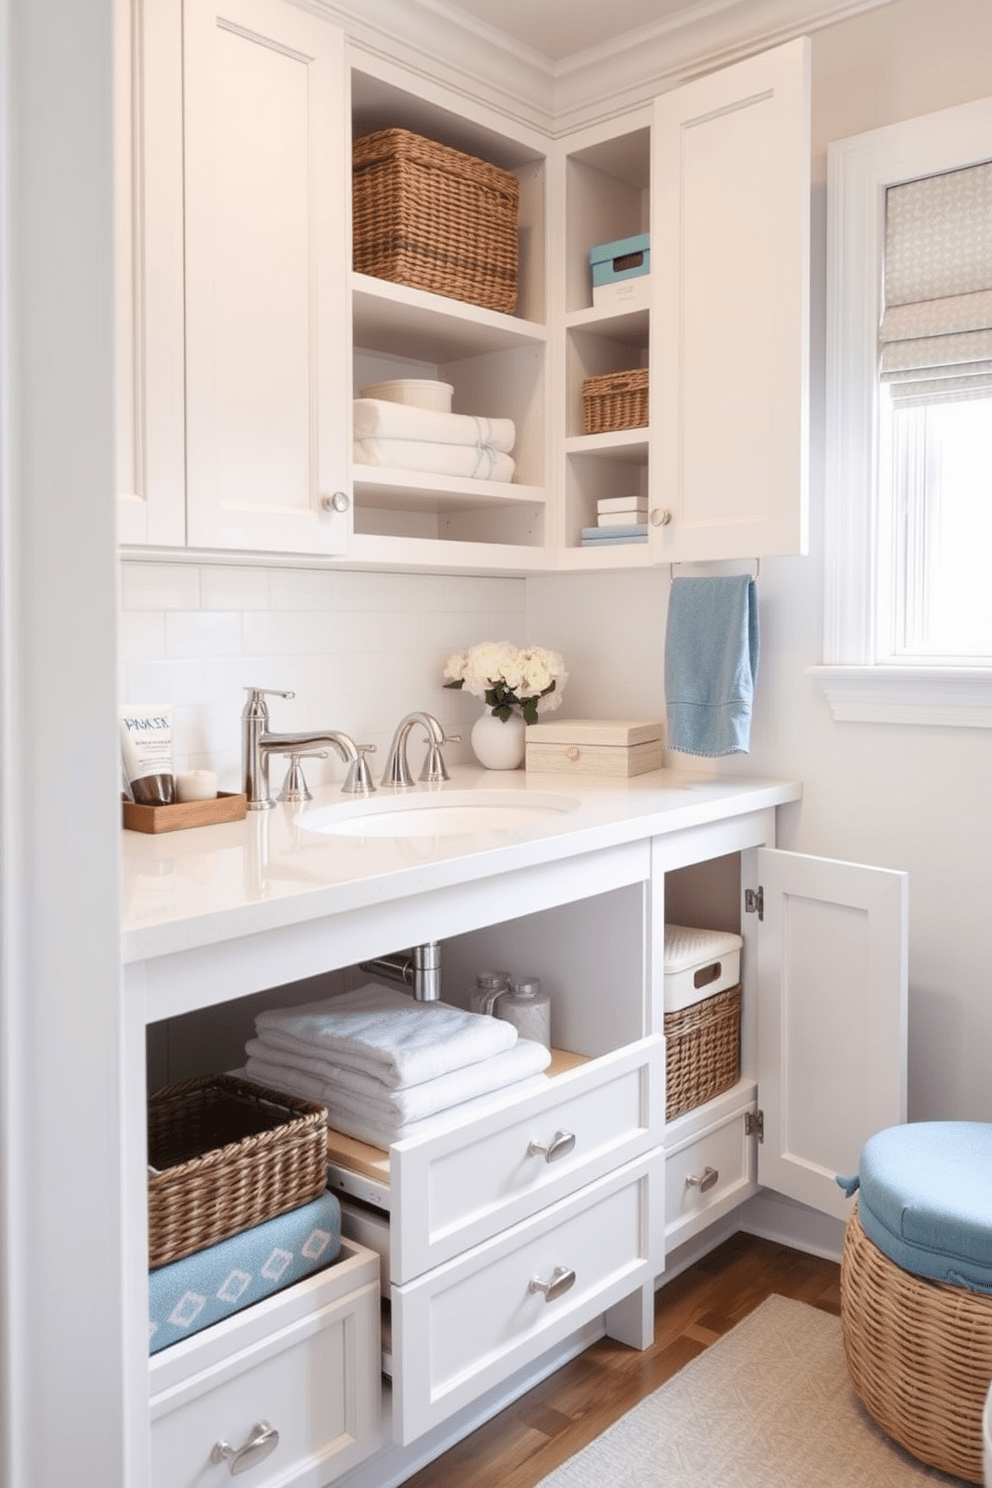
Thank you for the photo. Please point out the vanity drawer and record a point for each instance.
(457, 1188)
(304, 1362)
(466, 1326)
(707, 1174)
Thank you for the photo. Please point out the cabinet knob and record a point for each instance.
(263, 1440)
(338, 502)
(660, 517)
(562, 1279)
(560, 1145)
(703, 1181)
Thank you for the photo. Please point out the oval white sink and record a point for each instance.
(437, 814)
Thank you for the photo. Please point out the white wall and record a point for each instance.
(914, 798)
(358, 649)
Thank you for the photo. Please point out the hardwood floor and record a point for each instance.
(531, 1437)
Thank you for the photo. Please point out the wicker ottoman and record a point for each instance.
(919, 1349)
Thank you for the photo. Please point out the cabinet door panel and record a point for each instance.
(729, 353)
(832, 972)
(266, 354)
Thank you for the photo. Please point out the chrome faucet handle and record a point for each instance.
(294, 786)
(358, 781)
(434, 770)
(257, 696)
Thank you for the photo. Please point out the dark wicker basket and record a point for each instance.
(702, 1051)
(617, 401)
(431, 217)
(227, 1154)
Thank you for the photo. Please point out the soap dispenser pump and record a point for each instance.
(488, 986)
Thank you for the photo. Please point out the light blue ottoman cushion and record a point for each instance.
(205, 1287)
(926, 1199)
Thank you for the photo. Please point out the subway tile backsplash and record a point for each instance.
(358, 649)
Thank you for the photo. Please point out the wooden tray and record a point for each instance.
(225, 807)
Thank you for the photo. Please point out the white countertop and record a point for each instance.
(182, 890)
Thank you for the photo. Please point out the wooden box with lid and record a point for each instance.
(595, 746)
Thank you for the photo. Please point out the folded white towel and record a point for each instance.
(413, 1102)
(386, 1034)
(377, 419)
(344, 1117)
(472, 461)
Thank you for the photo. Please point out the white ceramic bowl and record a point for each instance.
(418, 391)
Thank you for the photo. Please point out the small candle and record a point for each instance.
(196, 785)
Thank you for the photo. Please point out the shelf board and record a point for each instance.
(384, 553)
(414, 490)
(406, 322)
(628, 327)
(627, 445)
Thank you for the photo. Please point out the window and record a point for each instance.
(908, 624)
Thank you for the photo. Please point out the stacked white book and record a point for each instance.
(619, 519)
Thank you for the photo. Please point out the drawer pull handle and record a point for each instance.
(263, 1440)
(705, 1182)
(562, 1280)
(560, 1145)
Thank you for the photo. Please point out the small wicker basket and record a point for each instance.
(434, 218)
(702, 1051)
(225, 1154)
(617, 401)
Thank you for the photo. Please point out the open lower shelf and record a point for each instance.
(629, 445)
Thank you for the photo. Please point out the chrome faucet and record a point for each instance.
(257, 744)
(397, 771)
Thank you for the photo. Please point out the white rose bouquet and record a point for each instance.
(527, 678)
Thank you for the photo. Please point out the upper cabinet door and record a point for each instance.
(267, 410)
(832, 986)
(729, 355)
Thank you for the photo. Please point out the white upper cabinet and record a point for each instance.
(729, 358)
(266, 321)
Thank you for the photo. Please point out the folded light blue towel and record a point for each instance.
(711, 664)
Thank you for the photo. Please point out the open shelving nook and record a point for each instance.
(496, 362)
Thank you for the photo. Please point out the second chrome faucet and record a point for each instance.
(258, 743)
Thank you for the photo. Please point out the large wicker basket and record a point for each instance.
(617, 401)
(919, 1354)
(434, 218)
(225, 1154)
(702, 1051)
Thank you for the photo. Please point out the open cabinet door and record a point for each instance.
(832, 995)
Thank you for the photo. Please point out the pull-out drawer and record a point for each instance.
(457, 1188)
(288, 1388)
(709, 1165)
(467, 1325)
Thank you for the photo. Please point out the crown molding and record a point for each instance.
(441, 43)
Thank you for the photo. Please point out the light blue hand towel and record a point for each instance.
(711, 664)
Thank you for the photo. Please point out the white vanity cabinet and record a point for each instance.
(502, 1236)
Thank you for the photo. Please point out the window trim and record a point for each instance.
(859, 171)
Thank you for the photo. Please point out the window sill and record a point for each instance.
(949, 697)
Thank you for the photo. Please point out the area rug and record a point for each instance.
(767, 1406)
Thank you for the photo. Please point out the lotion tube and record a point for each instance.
(146, 747)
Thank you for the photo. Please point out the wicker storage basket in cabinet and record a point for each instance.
(617, 401)
(434, 218)
(226, 1154)
(702, 1016)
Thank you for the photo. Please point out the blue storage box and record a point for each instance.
(627, 258)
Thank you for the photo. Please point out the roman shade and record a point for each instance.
(935, 339)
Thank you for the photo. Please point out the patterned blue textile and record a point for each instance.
(203, 1288)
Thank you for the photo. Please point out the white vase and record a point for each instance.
(498, 745)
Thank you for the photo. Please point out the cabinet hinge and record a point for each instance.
(754, 902)
(754, 1125)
